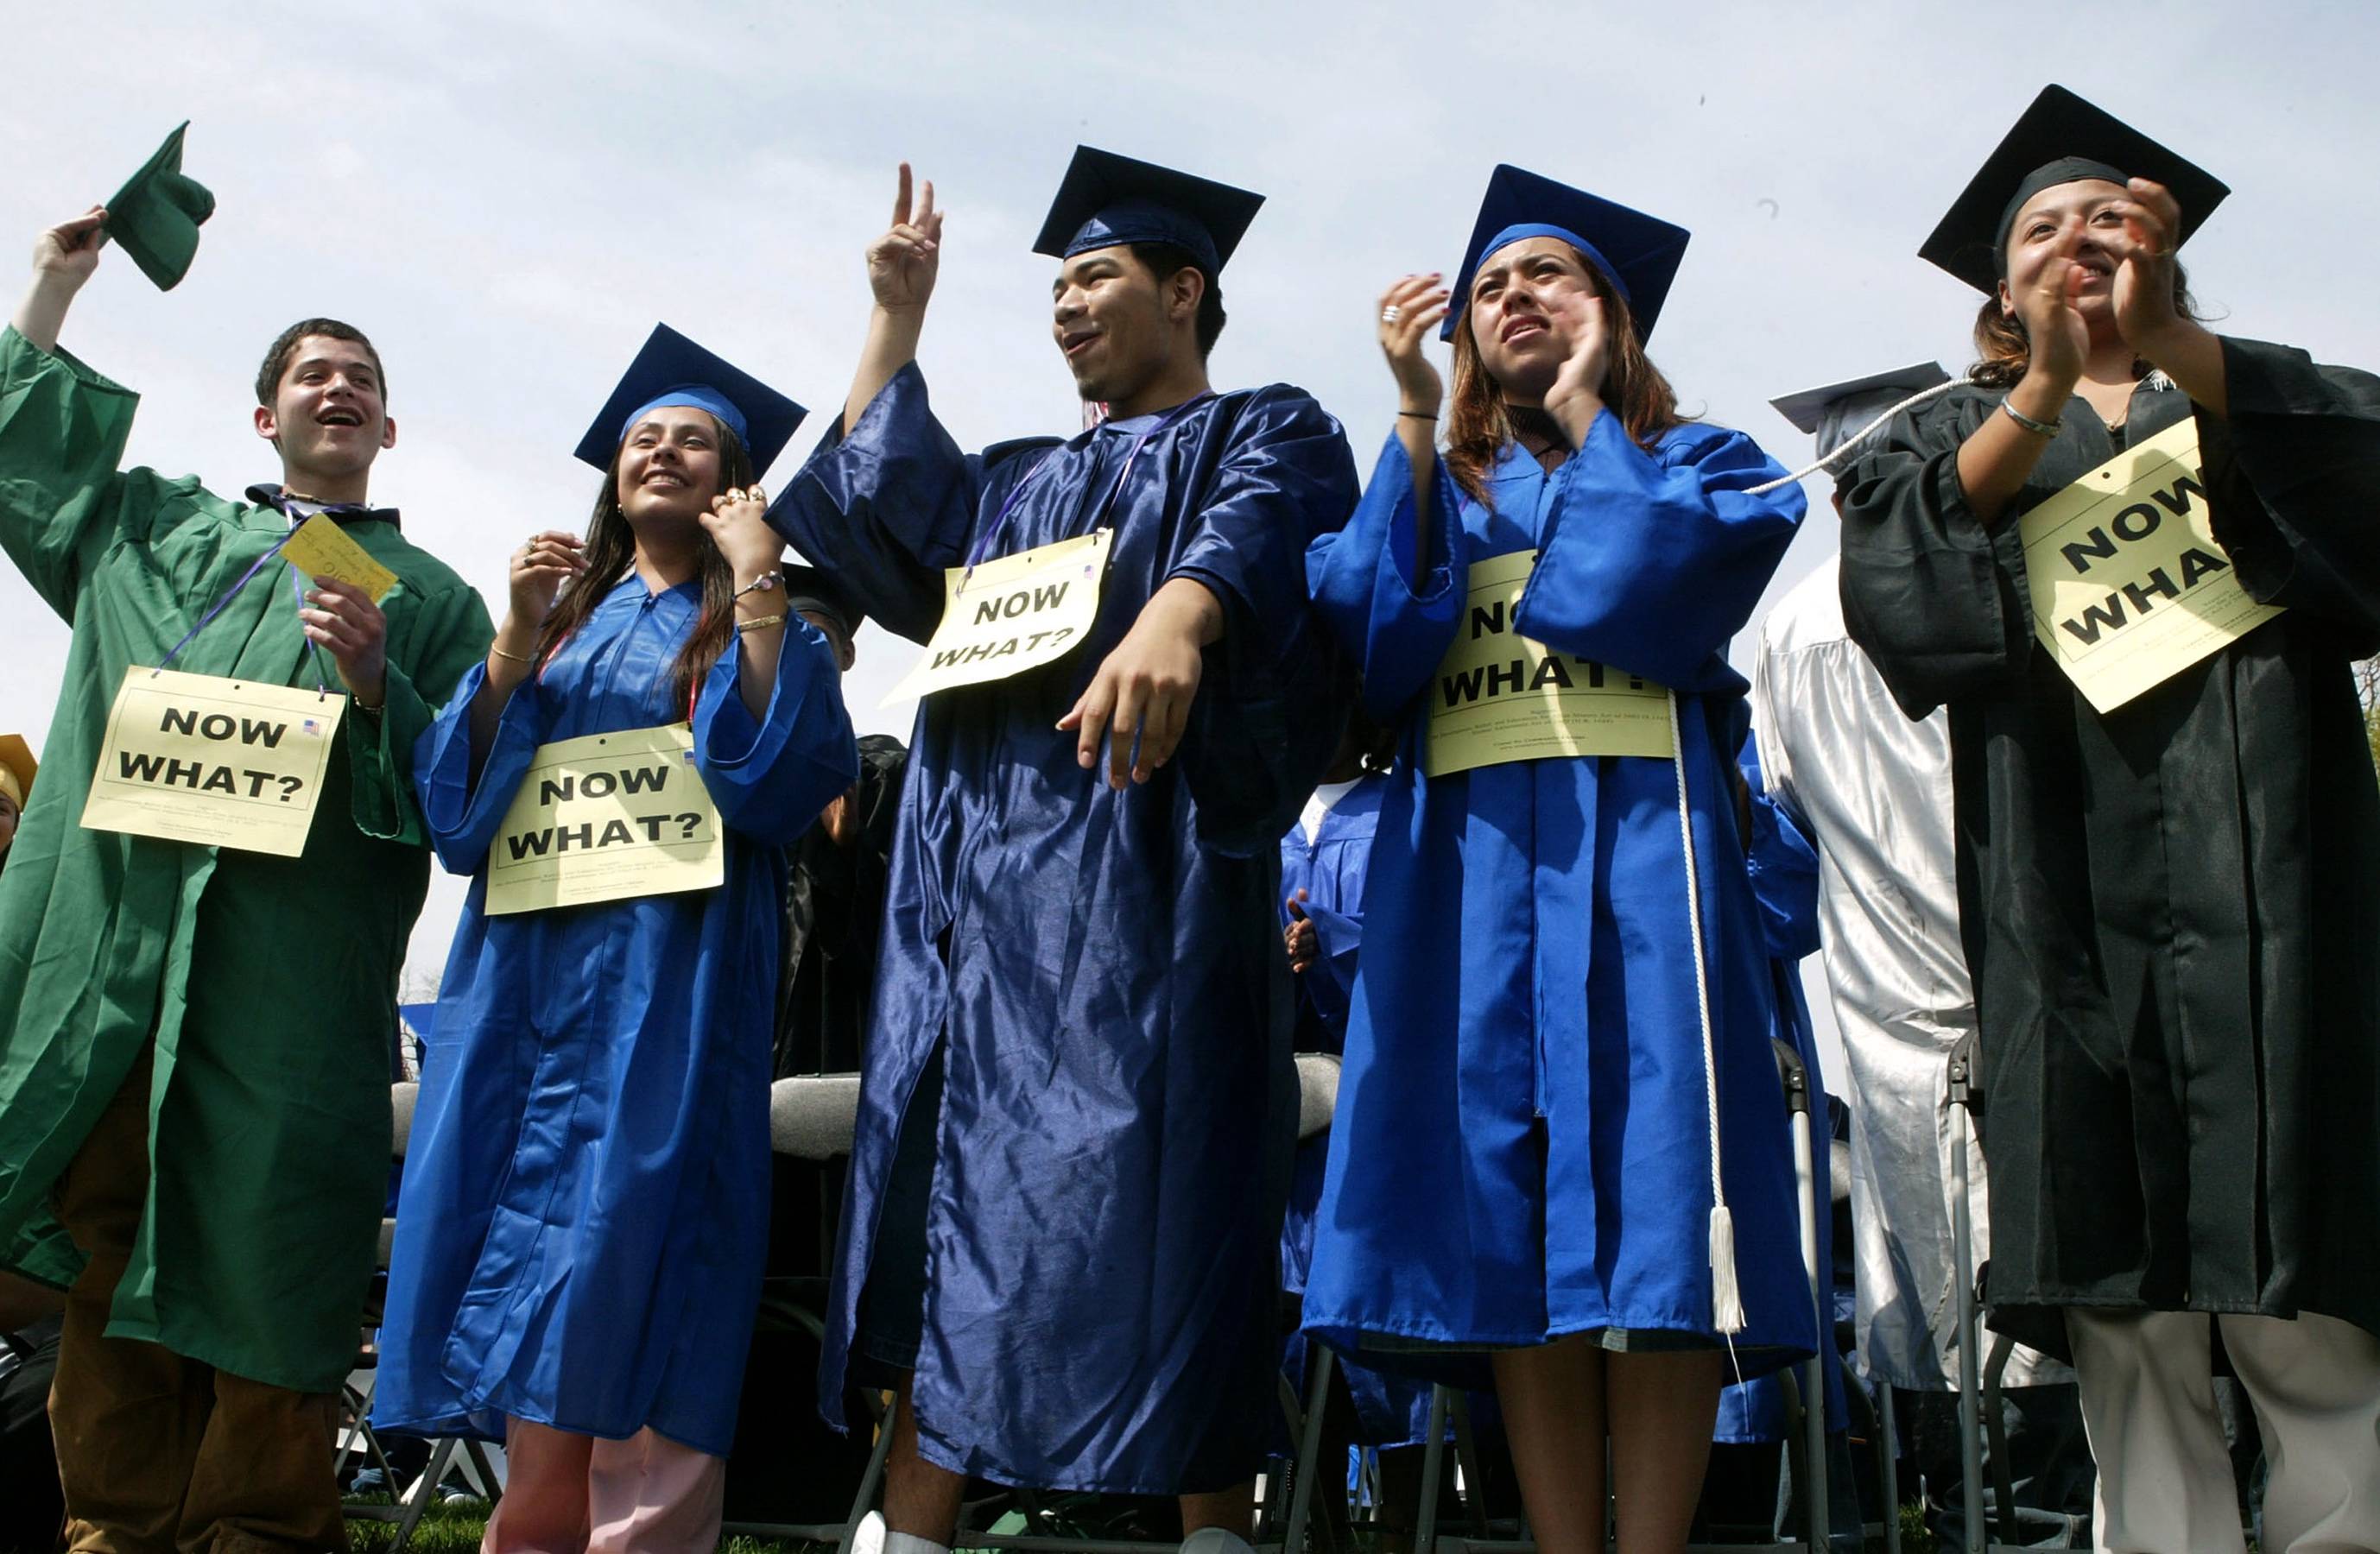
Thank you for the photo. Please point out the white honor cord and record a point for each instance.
(1856, 438)
(1727, 1298)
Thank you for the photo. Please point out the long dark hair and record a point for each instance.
(2003, 350)
(1478, 422)
(611, 549)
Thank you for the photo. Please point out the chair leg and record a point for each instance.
(1466, 1462)
(1433, 1463)
(1996, 1431)
(869, 1482)
(1309, 1448)
(1888, 1467)
(416, 1499)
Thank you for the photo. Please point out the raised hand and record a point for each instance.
(71, 249)
(737, 525)
(1409, 310)
(537, 571)
(1576, 396)
(2050, 309)
(902, 265)
(346, 621)
(63, 258)
(2143, 254)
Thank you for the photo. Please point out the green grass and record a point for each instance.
(455, 1527)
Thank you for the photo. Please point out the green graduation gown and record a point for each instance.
(269, 984)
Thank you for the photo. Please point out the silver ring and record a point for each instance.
(1392, 313)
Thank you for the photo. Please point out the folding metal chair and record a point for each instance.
(1980, 1417)
(357, 1435)
(813, 1117)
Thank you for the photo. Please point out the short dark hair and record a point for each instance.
(276, 359)
(1163, 260)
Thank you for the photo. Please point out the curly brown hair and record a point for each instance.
(1479, 424)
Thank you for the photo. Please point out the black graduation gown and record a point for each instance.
(2172, 911)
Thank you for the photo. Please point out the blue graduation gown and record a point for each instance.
(1330, 867)
(1101, 968)
(1522, 1148)
(586, 1202)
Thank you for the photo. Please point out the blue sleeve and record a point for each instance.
(1266, 719)
(771, 778)
(1650, 562)
(460, 815)
(1394, 609)
(885, 507)
(1330, 982)
(1784, 863)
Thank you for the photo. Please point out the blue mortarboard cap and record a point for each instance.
(1105, 200)
(673, 370)
(1637, 253)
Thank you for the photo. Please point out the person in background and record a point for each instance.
(16, 768)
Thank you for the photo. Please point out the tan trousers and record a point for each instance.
(2165, 1479)
(159, 1454)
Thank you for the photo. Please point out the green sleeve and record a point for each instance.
(62, 433)
(442, 640)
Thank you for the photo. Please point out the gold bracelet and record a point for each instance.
(759, 623)
(517, 658)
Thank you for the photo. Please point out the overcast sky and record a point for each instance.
(507, 197)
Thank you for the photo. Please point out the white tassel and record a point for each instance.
(1727, 1300)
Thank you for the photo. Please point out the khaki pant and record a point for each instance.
(159, 1454)
(2165, 1478)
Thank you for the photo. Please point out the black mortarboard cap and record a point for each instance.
(673, 370)
(155, 216)
(2060, 139)
(1639, 254)
(811, 587)
(1105, 200)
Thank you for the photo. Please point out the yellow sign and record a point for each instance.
(212, 761)
(322, 549)
(1497, 696)
(2129, 586)
(604, 817)
(1006, 616)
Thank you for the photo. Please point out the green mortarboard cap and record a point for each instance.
(156, 214)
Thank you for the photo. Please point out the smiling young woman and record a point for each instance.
(2169, 902)
(585, 1209)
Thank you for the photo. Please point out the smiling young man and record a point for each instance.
(194, 1039)
(1075, 1126)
